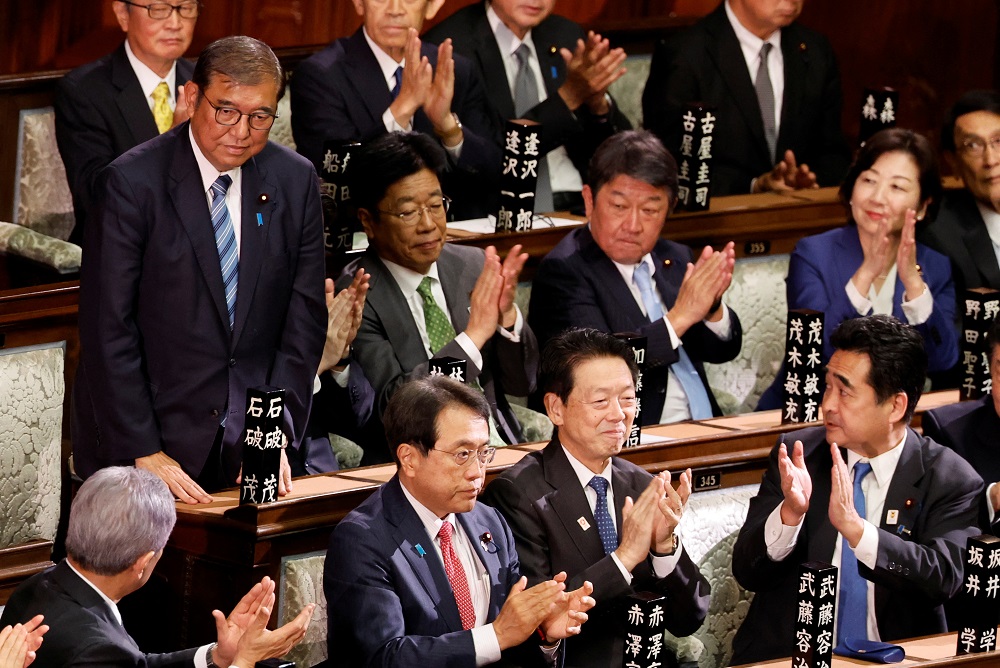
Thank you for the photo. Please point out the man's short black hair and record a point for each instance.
(568, 350)
(974, 100)
(635, 153)
(241, 59)
(896, 352)
(412, 413)
(390, 158)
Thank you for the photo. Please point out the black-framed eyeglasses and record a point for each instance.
(435, 208)
(259, 120)
(159, 11)
(462, 457)
(976, 146)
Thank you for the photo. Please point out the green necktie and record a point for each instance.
(439, 329)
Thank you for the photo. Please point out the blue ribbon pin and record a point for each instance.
(420, 548)
(260, 220)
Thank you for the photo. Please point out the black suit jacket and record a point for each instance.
(705, 64)
(340, 94)
(158, 361)
(542, 500)
(580, 132)
(959, 232)
(83, 630)
(936, 494)
(101, 112)
(577, 285)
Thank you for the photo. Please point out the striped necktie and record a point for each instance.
(225, 241)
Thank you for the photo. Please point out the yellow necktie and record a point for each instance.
(162, 113)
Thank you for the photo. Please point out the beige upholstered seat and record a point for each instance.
(627, 91)
(42, 200)
(302, 583)
(62, 256)
(281, 131)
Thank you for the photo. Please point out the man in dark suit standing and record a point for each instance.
(127, 97)
(204, 276)
(775, 89)
(428, 299)
(897, 529)
(618, 275)
(542, 67)
(119, 524)
(421, 574)
(967, 227)
(570, 505)
(382, 79)
(970, 428)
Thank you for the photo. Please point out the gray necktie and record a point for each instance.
(525, 98)
(765, 97)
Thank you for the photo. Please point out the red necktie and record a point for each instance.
(456, 575)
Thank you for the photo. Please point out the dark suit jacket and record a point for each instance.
(344, 411)
(158, 361)
(83, 630)
(577, 285)
(936, 494)
(389, 600)
(542, 499)
(970, 428)
(101, 113)
(580, 132)
(705, 64)
(389, 348)
(959, 232)
(340, 94)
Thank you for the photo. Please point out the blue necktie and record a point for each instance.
(225, 241)
(399, 82)
(605, 525)
(852, 610)
(697, 395)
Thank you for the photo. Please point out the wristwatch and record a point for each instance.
(454, 132)
(210, 662)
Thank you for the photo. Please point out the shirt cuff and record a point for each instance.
(723, 327)
(389, 121)
(341, 377)
(779, 539)
(664, 566)
(867, 548)
(317, 384)
(201, 656)
(989, 503)
(551, 654)
(918, 310)
(484, 640)
(861, 304)
(472, 354)
(514, 336)
(675, 340)
(621, 567)
(454, 152)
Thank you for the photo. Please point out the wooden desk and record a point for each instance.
(927, 652)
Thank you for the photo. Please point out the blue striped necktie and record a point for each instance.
(225, 241)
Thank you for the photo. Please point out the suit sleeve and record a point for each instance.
(832, 156)
(106, 654)
(940, 336)
(515, 364)
(304, 332)
(362, 603)
(110, 342)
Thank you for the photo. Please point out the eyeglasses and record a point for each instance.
(976, 146)
(462, 457)
(162, 10)
(259, 120)
(436, 208)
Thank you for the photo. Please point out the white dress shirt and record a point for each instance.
(675, 404)
(149, 80)
(781, 539)
(234, 201)
(917, 311)
(563, 176)
(751, 45)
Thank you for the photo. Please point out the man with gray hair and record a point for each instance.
(204, 276)
(118, 526)
(617, 274)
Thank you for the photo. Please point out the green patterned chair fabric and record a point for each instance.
(627, 91)
(301, 584)
(61, 255)
(42, 200)
(729, 606)
(32, 387)
(347, 451)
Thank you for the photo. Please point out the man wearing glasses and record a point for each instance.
(127, 97)
(428, 299)
(204, 276)
(422, 575)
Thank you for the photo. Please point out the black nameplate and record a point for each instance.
(645, 639)
(977, 600)
(815, 612)
(262, 443)
(638, 345)
(980, 309)
(452, 367)
(757, 247)
(804, 380)
(522, 156)
(706, 479)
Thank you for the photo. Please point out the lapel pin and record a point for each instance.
(802, 46)
(260, 220)
(892, 517)
(902, 530)
(486, 540)
(909, 503)
(584, 524)
(420, 549)
(667, 263)
(262, 198)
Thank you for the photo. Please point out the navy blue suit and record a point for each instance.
(935, 495)
(577, 285)
(388, 597)
(340, 94)
(101, 112)
(158, 361)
